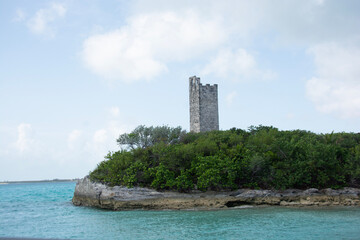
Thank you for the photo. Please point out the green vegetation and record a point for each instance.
(261, 157)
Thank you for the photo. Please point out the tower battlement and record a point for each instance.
(203, 100)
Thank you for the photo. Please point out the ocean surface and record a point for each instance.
(44, 210)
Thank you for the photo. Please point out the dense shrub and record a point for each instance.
(260, 157)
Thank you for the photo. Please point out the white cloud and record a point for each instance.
(163, 32)
(142, 48)
(19, 15)
(39, 23)
(114, 111)
(100, 136)
(25, 134)
(311, 22)
(289, 21)
(230, 97)
(290, 116)
(238, 65)
(319, 2)
(101, 142)
(115, 128)
(336, 87)
(91, 145)
(73, 138)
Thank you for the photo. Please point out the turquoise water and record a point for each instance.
(44, 210)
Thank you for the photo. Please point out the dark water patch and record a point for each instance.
(236, 203)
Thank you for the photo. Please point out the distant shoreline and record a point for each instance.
(39, 181)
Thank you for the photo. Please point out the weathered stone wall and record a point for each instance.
(204, 114)
(194, 99)
(209, 117)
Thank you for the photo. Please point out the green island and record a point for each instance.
(261, 157)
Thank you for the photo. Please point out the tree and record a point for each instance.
(143, 137)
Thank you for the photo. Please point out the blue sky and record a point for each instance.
(76, 74)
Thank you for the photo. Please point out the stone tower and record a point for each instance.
(204, 114)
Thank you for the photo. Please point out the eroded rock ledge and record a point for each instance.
(92, 194)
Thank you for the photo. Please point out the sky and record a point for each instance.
(74, 75)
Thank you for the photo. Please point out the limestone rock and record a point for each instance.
(311, 192)
(93, 194)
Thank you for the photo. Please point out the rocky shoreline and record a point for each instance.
(98, 195)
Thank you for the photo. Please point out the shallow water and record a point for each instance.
(44, 210)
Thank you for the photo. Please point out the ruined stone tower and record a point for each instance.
(204, 115)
